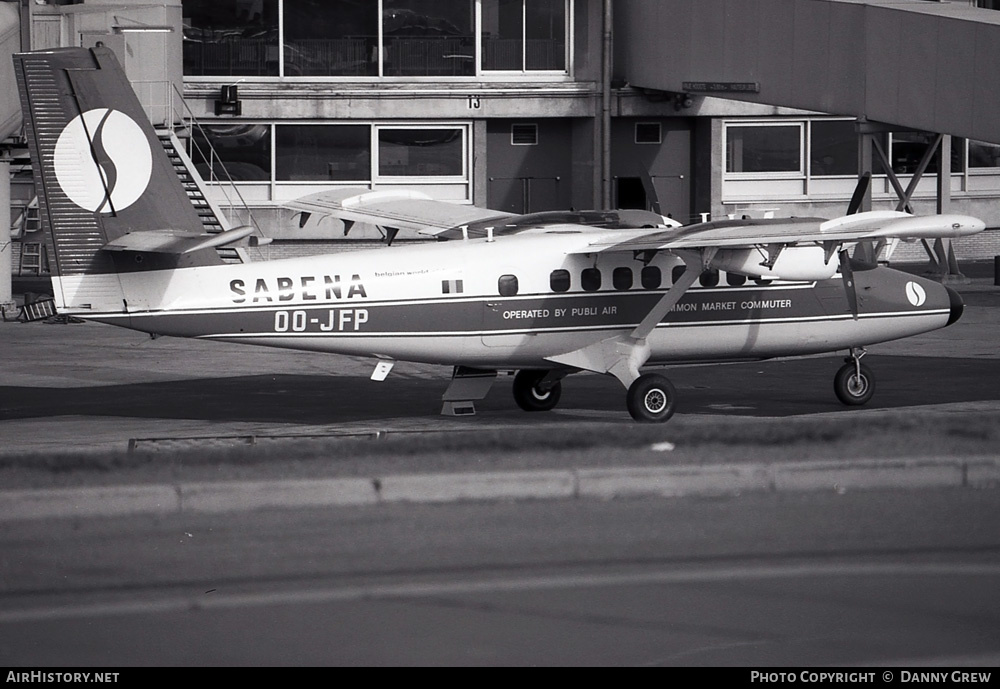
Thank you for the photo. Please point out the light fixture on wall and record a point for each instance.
(229, 100)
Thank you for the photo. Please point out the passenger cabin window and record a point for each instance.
(559, 280)
(651, 277)
(590, 279)
(507, 285)
(735, 279)
(676, 273)
(622, 278)
(709, 278)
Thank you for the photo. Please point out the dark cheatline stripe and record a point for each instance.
(471, 316)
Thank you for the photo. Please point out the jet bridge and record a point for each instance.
(915, 65)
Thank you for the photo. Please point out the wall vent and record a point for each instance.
(524, 135)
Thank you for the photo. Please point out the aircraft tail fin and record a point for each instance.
(101, 175)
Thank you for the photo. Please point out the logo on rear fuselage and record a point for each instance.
(102, 160)
(915, 294)
(307, 288)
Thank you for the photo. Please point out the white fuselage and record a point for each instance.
(507, 303)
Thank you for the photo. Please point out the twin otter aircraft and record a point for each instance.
(547, 295)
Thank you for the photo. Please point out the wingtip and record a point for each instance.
(962, 225)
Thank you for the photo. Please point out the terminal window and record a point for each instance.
(375, 38)
(764, 147)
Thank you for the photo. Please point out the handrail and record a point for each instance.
(213, 158)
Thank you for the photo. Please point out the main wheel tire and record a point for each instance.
(528, 395)
(851, 389)
(651, 398)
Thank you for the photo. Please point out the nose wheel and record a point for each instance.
(854, 383)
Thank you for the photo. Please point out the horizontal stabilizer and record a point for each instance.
(175, 241)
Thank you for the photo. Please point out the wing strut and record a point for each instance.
(623, 355)
(694, 264)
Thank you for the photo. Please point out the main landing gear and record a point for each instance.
(651, 398)
(537, 390)
(854, 383)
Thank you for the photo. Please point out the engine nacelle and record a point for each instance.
(793, 263)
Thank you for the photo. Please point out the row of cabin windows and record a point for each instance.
(650, 277)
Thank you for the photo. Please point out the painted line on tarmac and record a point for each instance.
(514, 584)
(605, 484)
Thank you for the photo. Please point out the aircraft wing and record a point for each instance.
(789, 231)
(393, 208)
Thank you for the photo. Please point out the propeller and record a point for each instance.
(845, 260)
(859, 193)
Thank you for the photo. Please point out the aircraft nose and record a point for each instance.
(957, 305)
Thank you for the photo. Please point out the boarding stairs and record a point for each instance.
(212, 219)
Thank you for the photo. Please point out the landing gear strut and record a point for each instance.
(651, 397)
(854, 383)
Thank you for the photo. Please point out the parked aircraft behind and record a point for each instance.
(546, 295)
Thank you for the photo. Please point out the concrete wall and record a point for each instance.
(153, 61)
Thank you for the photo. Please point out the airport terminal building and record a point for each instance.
(694, 110)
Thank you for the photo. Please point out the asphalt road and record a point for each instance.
(891, 579)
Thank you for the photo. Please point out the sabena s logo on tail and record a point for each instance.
(115, 137)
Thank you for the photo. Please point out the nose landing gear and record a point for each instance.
(854, 383)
